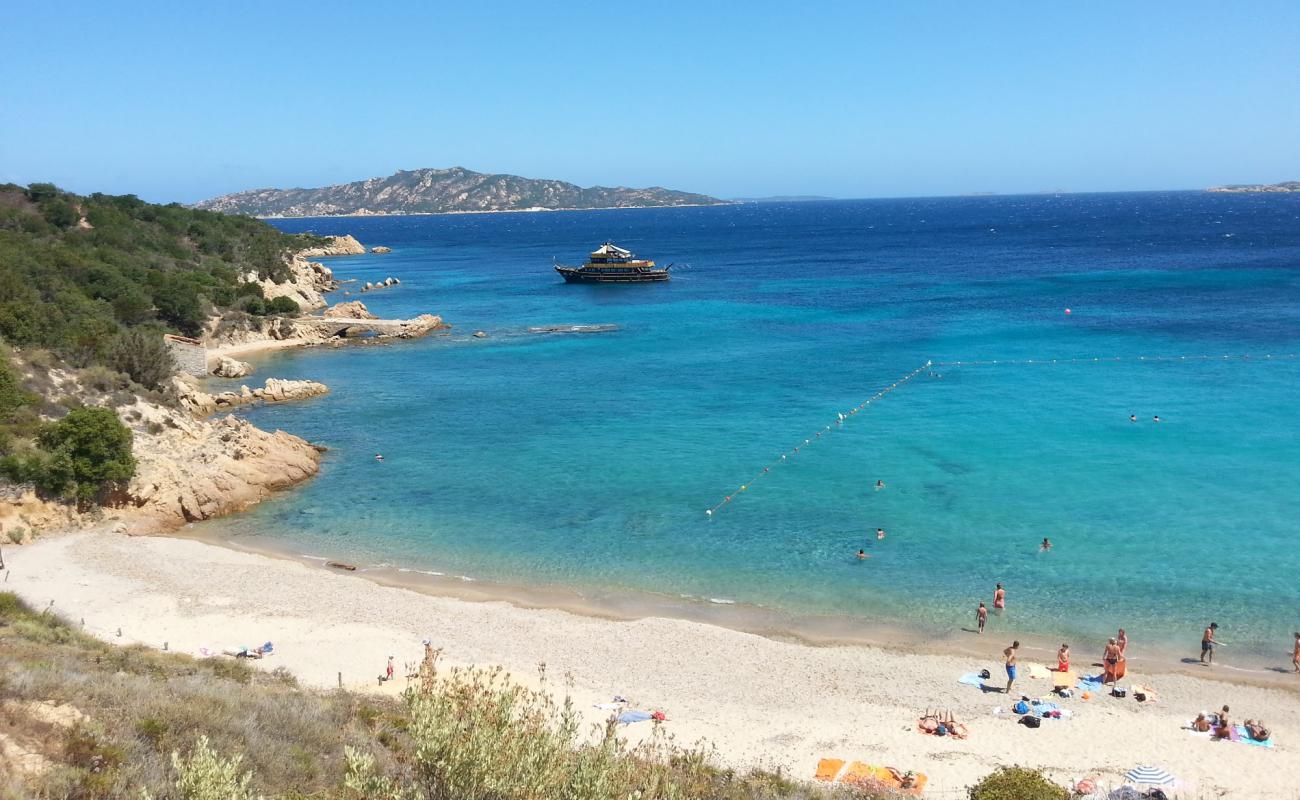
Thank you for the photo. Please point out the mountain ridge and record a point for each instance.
(445, 191)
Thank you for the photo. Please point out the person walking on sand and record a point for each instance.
(389, 671)
(999, 597)
(1010, 654)
(982, 616)
(1208, 642)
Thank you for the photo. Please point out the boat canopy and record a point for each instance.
(610, 250)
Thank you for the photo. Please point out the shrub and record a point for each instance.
(1017, 783)
(90, 451)
(142, 354)
(205, 775)
(282, 305)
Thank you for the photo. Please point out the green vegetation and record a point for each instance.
(142, 723)
(1017, 783)
(73, 287)
(80, 457)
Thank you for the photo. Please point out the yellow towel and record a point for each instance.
(858, 772)
(1062, 678)
(828, 768)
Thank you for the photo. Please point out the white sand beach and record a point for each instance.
(759, 701)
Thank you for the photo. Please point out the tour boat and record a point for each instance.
(610, 263)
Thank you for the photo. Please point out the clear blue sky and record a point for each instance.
(181, 101)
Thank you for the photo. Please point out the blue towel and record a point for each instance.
(628, 717)
(1242, 736)
(971, 679)
(1043, 707)
(1092, 684)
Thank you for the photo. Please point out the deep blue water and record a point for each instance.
(588, 460)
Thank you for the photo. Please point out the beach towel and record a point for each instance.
(628, 717)
(828, 768)
(1062, 679)
(1091, 684)
(1038, 670)
(856, 773)
(971, 679)
(1242, 736)
(861, 773)
(608, 706)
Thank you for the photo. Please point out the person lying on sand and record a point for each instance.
(1201, 724)
(1256, 730)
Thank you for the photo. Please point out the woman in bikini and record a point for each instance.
(1000, 597)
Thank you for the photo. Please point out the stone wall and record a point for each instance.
(190, 355)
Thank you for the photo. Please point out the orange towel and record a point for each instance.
(828, 768)
(858, 772)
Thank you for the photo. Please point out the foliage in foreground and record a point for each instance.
(170, 727)
(80, 457)
(1017, 783)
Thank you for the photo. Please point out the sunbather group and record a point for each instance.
(1222, 728)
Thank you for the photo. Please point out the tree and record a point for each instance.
(90, 452)
(178, 303)
(142, 354)
(1017, 783)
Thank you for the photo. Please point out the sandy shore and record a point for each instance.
(258, 346)
(759, 701)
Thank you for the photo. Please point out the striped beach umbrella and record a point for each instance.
(1149, 776)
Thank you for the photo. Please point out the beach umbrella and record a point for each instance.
(1148, 776)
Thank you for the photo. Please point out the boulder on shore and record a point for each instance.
(231, 368)
(352, 309)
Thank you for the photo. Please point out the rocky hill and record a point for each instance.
(440, 191)
(1286, 186)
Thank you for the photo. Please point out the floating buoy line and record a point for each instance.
(843, 416)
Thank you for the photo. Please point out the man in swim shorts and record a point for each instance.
(1010, 654)
(1208, 643)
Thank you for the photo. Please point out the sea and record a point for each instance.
(982, 357)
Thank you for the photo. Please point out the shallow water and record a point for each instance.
(588, 460)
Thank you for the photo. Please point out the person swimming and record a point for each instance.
(379, 457)
(880, 534)
(880, 485)
(1132, 417)
(1046, 545)
(1156, 418)
(863, 554)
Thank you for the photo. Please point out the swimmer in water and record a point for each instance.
(1156, 418)
(379, 457)
(1132, 417)
(863, 554)
(1046, 545)
(880, 485)
(880, 534)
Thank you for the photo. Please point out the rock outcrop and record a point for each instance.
(231, 368)
(345, 245)
(352, 309)
(200, 403)
(381, 249)
(385, 283)
(191, 469)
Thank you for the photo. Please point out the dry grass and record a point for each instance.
(129, 721)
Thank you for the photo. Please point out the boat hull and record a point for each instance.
(572, 275)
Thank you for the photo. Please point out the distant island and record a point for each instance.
(783, 198)
(1285, 186)
(444, 191)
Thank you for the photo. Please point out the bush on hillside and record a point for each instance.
(1017, 783)
(282, 305)
(88, 452)
(142, 354)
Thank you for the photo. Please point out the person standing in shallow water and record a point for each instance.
(1208, 642)
(999, 597)
(1295, 653)
(982, 616)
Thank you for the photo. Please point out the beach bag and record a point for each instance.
(1118, 692)
(1021, 707)
(985, 674)
(1030, 721)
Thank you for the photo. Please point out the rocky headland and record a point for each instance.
(1258, 188)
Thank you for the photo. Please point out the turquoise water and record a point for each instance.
(588, 460)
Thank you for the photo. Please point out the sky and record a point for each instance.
(183, 101)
